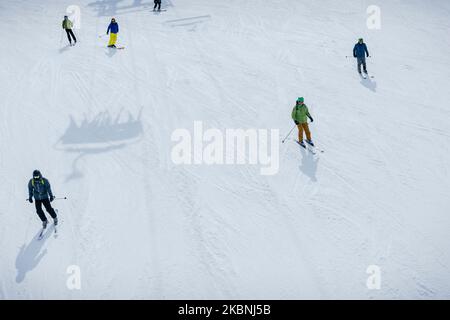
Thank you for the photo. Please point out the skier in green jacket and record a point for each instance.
(300, 115)
(67, 25)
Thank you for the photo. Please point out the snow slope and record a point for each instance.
(98, 124)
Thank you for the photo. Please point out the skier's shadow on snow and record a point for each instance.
(64, 49)
(111, 52)
(30, 255)
(369, 84)
(309, 164)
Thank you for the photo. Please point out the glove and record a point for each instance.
(310, 118)
(30, 200)
(52, 198)
(296, 122)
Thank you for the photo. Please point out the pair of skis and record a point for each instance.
(42, 233)
(55, 230)
(118, 48)
(309, 147)
(365, 75)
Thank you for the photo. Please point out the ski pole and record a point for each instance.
(61, 198)
(288, 134)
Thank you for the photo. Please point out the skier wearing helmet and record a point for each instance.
(67, 25)
(40, 189)
(300, 115)
(114, 28)
(360, 52)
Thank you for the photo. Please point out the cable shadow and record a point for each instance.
(111, 52)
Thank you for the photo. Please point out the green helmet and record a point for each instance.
(301, 99)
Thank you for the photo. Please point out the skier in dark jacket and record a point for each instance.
(40, 189)
(67, 25)
(157, 4)
(360, 52)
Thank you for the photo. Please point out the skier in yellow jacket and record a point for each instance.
(300, 115)
(67, 25)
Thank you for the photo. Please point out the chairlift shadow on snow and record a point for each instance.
(31, 255)
(309, 164)
(110, 8)
(99, 135)
(190, 23)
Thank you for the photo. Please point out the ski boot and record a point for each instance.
(44, 224)
(301, 143)
(310, 142)
(55, 221)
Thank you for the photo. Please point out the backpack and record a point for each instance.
(32, 181)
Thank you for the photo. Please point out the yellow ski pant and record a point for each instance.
(112, 39)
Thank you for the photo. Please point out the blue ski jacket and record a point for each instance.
(40, 189)
(360, 50)
(113, 27)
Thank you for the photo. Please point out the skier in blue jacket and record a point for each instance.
(360, 52)
(114, 29)
(40, 189)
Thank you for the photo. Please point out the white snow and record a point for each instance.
(98, 124)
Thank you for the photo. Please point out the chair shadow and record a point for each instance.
(309, 164)
(190, 23)
(31, 255)
(99, 135)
